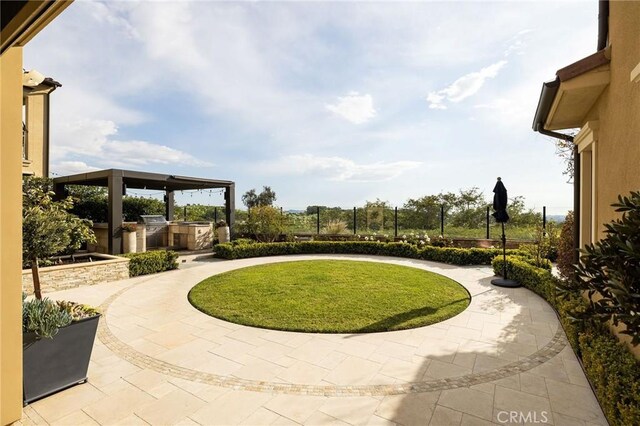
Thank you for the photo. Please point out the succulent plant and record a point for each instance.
(44, 317)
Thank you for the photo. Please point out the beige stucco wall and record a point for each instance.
(37, 104)
(10, 235)
(618, 110)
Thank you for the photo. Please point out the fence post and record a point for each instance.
(215, 214)
(487, 222)
(354, 221)
(395, 222)
(281, 213)
(442, 220)
(318, 220)
(544, 221)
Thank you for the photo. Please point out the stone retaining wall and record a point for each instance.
(55, 278)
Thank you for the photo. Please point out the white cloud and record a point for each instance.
(63, 168)
(341, 169)
(96, 139)
(354, 107)
(464, 87)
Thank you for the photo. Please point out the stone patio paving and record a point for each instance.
(158, 360)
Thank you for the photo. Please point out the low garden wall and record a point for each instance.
(62, 277)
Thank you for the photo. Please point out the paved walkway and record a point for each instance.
(158, 360)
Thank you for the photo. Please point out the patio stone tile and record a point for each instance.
(262, 416)
(489, 388)
(410, 409)
(353, 371)
(513, 400)
(271, 351)
(131, 420)
(217, 365)
(66, 402)
(314, 352)
(404, 370)
(397, 350)
(487, 363)
(77, 418)
(259, 370)
(464, 359)
(380, 421)
(101, 376)
(231, 408)
(147, 347)
(357, 348)
(298, 409)
(443, 416)
(474, 402)
(321, 419)
(355, 411)
(469, 420)
(510, 382)
(116, 407)
(303, 372)
(169, 340)
(533, 384)
(440, 370)
(186, 422)
(574, 401)
(171, 408)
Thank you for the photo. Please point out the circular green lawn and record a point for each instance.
(330, 296)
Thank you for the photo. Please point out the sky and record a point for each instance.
(329, 103)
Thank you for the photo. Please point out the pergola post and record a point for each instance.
(58, 190)
(169, 205)
(230, 206)
(114, 211)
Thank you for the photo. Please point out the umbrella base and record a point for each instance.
(501, 282)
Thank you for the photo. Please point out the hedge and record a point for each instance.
(151, 262)
(611, 368)
(455, 256)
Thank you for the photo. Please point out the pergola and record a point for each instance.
(117, 181)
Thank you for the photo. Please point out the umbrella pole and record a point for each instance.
(504, 253)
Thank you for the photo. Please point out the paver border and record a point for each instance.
(139, 359)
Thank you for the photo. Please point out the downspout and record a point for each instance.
(603, 23)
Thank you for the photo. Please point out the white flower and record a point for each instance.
(421, 242)
(404, 236)
(366, 238)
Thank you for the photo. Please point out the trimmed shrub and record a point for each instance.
(456, 256)
(615, 375)
(151, 262)
(566, 249)
(610, 367)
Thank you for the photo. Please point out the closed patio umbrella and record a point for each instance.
(500, 214)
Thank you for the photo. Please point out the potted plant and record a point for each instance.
(57, 336)
(129, 238)
(224, 235)
(57, 342)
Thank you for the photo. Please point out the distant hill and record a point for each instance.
(558, 218)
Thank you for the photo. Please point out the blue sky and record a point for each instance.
(328, 103)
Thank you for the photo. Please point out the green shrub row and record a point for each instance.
(151, 262)
(455, 256)
(611, 368)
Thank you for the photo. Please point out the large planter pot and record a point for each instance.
(129, 242)
(224, 236)
(51, 365)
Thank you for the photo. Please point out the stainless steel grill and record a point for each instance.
(157, 229)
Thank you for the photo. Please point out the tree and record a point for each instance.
(266, 223)
(252, 199)
(48, 228)
(565, 150)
